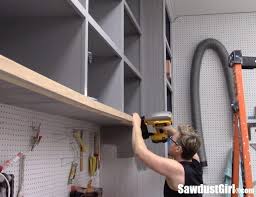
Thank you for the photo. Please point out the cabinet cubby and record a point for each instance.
(132, 92)
(108, 14)
(105, 71)
(132, 33)
(51, 46)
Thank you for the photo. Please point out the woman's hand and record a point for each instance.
(170, 130)
(136, 120)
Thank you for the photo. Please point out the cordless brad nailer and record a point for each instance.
(157, 121)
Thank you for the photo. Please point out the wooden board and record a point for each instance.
(23, 87)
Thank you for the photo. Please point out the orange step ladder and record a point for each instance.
(241, 137)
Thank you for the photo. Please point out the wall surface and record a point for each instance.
(47, 167)
(235, 31)
(198, 7)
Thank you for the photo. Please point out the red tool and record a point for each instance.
(8, 163)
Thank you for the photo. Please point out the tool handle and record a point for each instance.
(81, 161)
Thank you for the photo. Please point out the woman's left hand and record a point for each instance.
(136, 120)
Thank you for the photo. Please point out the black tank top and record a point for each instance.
(193, 176)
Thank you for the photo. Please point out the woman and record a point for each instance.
(183, 169)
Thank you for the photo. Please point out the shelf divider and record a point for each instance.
(132, 67)
(78, 7)
(132, 18)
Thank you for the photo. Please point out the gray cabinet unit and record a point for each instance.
(114, 43)
(54, 38)
(111, 50)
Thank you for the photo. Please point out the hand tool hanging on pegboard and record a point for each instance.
(37, 138)
(78, 135)
(7, 180)
(19, 157)
(21, 177)
(96, 148)
(72, 173)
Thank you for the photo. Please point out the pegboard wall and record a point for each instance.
(235, 31)
(47, 167)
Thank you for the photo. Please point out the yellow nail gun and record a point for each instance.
(157, 121)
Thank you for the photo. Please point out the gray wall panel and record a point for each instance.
(153, 88)
(119, 174)
(152, 56)
(132, 49)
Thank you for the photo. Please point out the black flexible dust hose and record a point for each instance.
(195, 84)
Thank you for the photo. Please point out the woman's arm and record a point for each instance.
(170, 168)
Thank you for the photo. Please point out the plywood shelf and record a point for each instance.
(25, 88)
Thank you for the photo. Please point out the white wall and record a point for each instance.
(236, 31)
